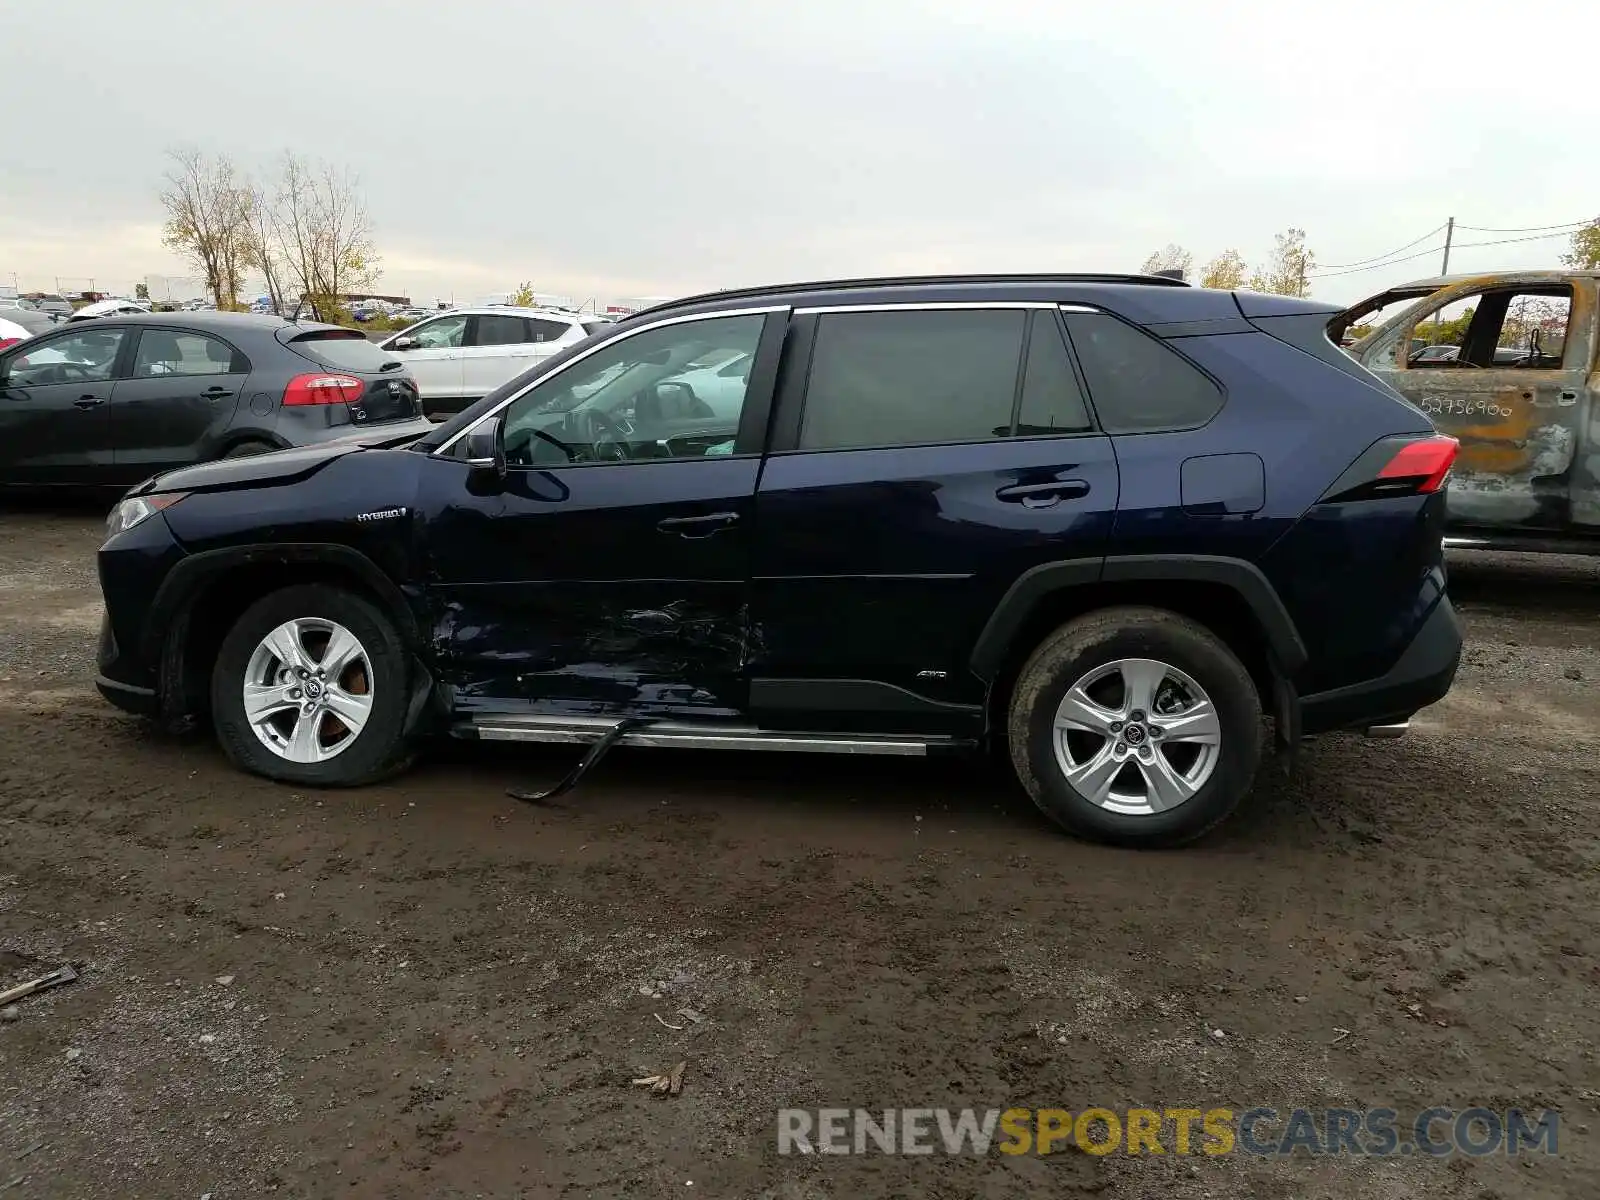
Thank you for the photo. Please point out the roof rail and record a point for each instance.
(913, 280)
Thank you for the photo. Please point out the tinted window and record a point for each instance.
(501, 330)
(346, 352)
(1137, 384)
(167, 352)
(1052, 402)
(908, 378)
(548, 331)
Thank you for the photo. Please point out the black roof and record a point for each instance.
(894, 282)
(220, 323)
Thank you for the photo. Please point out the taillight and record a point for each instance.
(1423, 463)
(7, 343)
(323, 388)
(1397, 466)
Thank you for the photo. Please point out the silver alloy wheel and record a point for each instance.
(1137, 736)
(308, 690)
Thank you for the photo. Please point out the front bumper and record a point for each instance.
(1422, 676)
(132, 566)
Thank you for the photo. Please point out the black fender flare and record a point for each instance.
(190, 575)
(1288, 650)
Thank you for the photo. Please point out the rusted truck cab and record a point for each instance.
(1505, 363)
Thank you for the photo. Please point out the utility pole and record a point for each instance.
(1444, 267)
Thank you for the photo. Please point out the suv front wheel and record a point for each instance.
(310, 687)
(1136, 726)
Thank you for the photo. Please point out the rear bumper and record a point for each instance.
(1422, 675)
(126, 696)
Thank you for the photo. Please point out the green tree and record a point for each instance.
(1585, 252)
(141, 291)
(1288, 272)
(1445, 333)
(1226, 270)
(523, 296)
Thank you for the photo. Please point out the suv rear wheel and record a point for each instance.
(1136, 726)
(310, 687)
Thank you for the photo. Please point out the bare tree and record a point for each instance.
(1227, 270)
(322, 232)
(204, 199)
(1172, 257)
(260, 244)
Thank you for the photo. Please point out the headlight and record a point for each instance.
(130, 512)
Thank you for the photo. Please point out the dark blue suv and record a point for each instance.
(1104, 522)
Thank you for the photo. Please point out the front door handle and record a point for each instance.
(1043, 495)
(88, 402)
(697, 527)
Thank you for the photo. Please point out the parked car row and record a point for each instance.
(113, 400)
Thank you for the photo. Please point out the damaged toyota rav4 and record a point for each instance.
(1103, 524)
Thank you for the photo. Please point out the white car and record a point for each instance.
(462, 355)
(11, 333)
(720, 385)
(107, 308)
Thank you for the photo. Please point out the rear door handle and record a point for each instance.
(1043, 495)
(216, 393)
(88, 402)
(697, 527)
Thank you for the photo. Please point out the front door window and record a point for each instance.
(655, 395)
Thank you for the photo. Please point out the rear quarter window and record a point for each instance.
(1138, 384)
(341, 351)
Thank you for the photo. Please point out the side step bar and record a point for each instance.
(693, 736)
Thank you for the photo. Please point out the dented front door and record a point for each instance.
(1526, 461)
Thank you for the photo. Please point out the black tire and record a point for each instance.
(249, 447)
(379, 750)
(1105, 636)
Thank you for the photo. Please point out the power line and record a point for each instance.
(1538, 237)
(1528, 229)
(1376, 265)
(1363, 261)
(1379, 266)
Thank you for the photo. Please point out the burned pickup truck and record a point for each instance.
(1506, 364)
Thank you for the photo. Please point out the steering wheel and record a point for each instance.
(605, 436)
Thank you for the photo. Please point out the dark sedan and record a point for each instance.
(114, 401)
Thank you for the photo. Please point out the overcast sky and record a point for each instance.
(649, 147)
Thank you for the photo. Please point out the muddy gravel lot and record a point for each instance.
(428, 989)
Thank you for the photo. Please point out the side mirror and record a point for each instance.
(487, 478)
(500, 449)
(403, 343)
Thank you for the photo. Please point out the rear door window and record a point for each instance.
(169, 352)
(1137, 383)
(548, 331)
(500, 330)
(912, 378)
(1052, 401)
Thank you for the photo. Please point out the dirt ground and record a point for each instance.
(432, 990)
